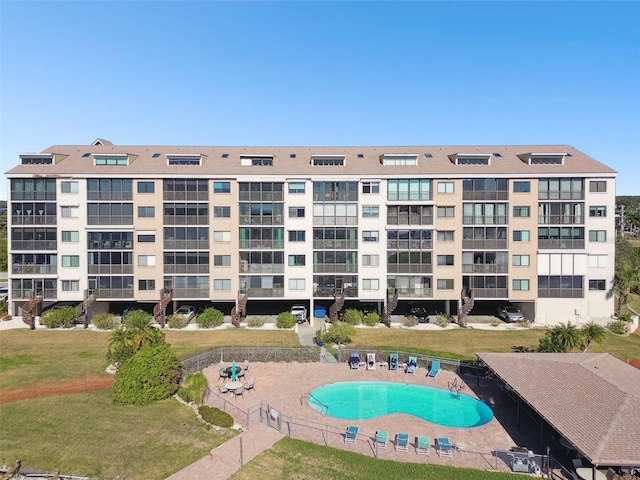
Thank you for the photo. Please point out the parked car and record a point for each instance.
(187, 311)
(509, 313)
(4, 293)
(300, 312)
(419, 312)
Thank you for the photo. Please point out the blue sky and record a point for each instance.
(323, 73)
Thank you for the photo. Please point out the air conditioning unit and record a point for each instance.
(244, 265)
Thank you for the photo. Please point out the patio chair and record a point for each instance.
(351, 435)
(251, 384)
(402, 442)
(222, 374)
(245, 365)
(382, 437)
(412, 366)
(354, 360)
(371, 361)
(444, 447)
(393, 362)
(238, 392)
(435, 369)
(423, 446)
(222, 389)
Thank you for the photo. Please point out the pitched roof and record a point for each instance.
(432, 160)
(591, 399)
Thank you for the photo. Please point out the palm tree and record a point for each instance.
(566, 336)
(547, 345)
(592, 332)
(627, 273)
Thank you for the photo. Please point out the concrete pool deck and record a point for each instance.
(283, 386)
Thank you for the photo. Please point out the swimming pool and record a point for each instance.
(365, 400)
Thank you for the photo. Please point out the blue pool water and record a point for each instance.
(365, 400)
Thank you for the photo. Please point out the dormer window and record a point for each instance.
(194, 160)
(393, 159)
(328, 161)
(473, 159)
(39, 159)
(118, 160)
(256, 160)
(543, 158)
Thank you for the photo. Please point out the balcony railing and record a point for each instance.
(172, 268)
(473, 244)
(559, 293)
(335, 268)
(261, 268)
(409, 219)
(490, 292)
(484, 268)
(186, 244)
(560, 219)
(113, 293)
(202, 196)
(261, 220)
(335, 197)
(265, 292)
(109, 245)
(262, 244)
(30, 269)
(485, 195)
(33, 219)
(335, 244)
(110, 220)
(110, 269)
(561, 244)
(410, 244)
(416, 292)
(25, 293)
(245, 196)
(485, 219)
(179, 293)
(186, 220)
(326, 291)
(34, 245)
(33, 195)
(409, 268)
(560, 195)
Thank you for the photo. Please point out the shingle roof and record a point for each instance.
(213, 163)
(591, 399)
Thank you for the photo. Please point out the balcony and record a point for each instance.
(330, 291)
(202, 196)
(110, 269)
(33, 195)
(25, 293)
(484, 268)
(491, 292)
(335, 268)
(33, 219)
(186, 244)
(186, 268)
(559, 293)
(485, 195)
(109, 245)
(34, 245)
(485, 219)
(409, 244)
(265, 292)
(409, 268)
(110, 220)
(415, 292)
(245, 196)
(180, 293)
(261, 267)
(261, 220)
(556, 243)
(31, 269)
(474, 244)
(262, 244)
(186, 220)
(101, 293)
(335, 244)
(560, 195)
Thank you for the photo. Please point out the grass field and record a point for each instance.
(296, 459)
(86, 435)
(634, 303)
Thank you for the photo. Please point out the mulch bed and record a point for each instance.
(64, 387)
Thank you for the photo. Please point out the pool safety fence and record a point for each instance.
(253, 354)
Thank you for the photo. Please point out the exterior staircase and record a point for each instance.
(236, 311)
(392, 303)
(82, 310)
(466, 305)
(27, 310)
(336, 307)
(166, 295)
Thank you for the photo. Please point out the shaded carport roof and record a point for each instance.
(591, 399)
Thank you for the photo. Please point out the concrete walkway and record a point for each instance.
(226, 460)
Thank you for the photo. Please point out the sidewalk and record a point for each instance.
(225, 460)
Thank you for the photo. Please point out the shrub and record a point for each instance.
(152, 374)
(105, 321)
(624, 315)
(442, 320)
(136, 319)
(194, 387)
(285, 320)
(58, 317)
(617, 327)
(371, 319)
(176, 320)
(257, 322)
(410, 321)
(340, 333)
(215, 416)
(353, 316)
(210, 318)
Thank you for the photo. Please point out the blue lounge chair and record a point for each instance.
(354, 361)
(412, 365)
(382, 437)
(444, 447)
(435, 369)
(351, 435)
(402, 442)
(423, 446)
(393, 362)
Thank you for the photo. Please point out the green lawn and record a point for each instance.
(85, 434)
(49, 355)
(295, 459)
(634, 303)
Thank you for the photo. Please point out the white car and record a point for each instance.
(300, 312)
(187, 311)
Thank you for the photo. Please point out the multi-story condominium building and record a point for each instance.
(128, 226)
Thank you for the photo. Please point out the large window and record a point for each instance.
(560, 286)
(553, 213)
(409, 189)
(410, 215)
(561, 189)
(110, 213)
(485, 189)
(110, 189)
(335, 191)
(484, 213)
